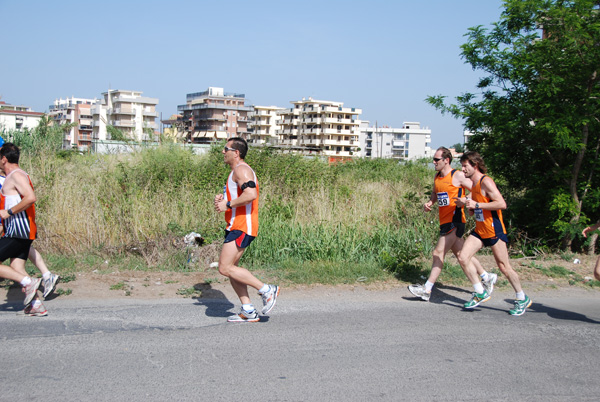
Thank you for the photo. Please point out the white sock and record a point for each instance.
(248, 307)
(428, 286)
(26, 281)
(484, 276)
(36, 303)
(520, 295)
(264, 289)
(478, 287)
(46, 275)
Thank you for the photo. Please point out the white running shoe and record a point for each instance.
(489, 284)
(31, 290)
(244, 316)
(269, 298)
(30, 311)
(50, 284)
(419, 291)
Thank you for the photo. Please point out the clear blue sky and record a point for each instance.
(384, 57)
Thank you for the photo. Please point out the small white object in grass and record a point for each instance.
(214, 265)
(576, 261)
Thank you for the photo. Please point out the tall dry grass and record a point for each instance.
(366, 212)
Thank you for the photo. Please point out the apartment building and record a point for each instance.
(323, 127)
(128, 111)
(263, 124)
(213, 115)
(75, 112)
(18, 117)
(411, 141)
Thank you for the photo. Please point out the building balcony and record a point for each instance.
(314, 120)
(340, 109)
(120, 110)
(335, 131)
(339, 120)
(264, 113)
(341, 143)
(123, 123)
(289, 142)
(261, 132)
(201, 106)
(150, 113)
(286, 132)
(311, 142)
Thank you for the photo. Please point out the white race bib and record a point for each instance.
(443, 199)
(478, 214)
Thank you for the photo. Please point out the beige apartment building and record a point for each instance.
(214, 115)
(323, 127)
(77, 113)
(263, 125)
(130, 112)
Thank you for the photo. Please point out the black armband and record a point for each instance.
(250, 184)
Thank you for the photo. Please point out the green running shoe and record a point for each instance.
(520, 306)
(477, 299)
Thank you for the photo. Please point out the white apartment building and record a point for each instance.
(18, 117)
(467, 136)
(322, 127)
(263, 125)
(77, 113)
(411, 141)
(130, 112)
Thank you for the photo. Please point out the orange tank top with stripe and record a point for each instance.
(244, 218)
(488, 223)
(21, 225)
(445, 192)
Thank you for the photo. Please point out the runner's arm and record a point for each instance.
(241, 176)
(491, 192)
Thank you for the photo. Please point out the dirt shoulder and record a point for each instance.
(208, 284)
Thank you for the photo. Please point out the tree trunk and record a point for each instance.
(567, 240)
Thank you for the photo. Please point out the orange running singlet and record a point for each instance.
(445, 190)
(488, 224)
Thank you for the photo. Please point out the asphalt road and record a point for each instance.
(329, 346)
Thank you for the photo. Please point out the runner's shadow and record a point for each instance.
(557, 313)
(215, 301)
(439, 296)
(14, 299)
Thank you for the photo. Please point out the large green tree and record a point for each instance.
(535, 113)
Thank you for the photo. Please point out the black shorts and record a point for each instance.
(492, 240)
(447, 228)
(11, 247)
(242, 240)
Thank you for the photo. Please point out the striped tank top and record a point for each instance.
(244, 218)
(21, 225)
